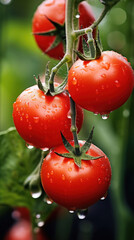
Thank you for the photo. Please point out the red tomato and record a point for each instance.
(71, 186)
(22, 230)
(101, 85)
(55, 10)
(39, 118)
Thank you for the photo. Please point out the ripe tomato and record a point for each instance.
(55, 10)
(71, 186)
(39, 118)
(101, 85)
(22, 230)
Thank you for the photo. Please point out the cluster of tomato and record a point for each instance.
(101, 86)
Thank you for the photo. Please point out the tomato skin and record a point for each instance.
(55, 10)
(71, 186)
(39, 118)
(101, 85)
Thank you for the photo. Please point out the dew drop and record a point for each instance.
(104, 197)
(117, 84)
(105, 116)
(29, 146)
(40, 223)
(69, 115)
(36, 194)
(36, 119)
(71, 211)
(45, 149)
(99, 181)
(103, 75)
(27, 116)
(82, 213)
(21, 119)
(74, 81)
(30, 127)
(63, 177)
(38, 216)
(48, 200)
(77, 16)
(97, 91)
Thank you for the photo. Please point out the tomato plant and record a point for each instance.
(74, 187)
(54, 11)
(39, 118)
(101, 85)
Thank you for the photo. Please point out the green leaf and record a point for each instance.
(66, 155)
(16, 164)
(54, 44)
(49, 33)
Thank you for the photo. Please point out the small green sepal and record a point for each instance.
(82, 154)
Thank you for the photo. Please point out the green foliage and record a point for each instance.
(16, 164)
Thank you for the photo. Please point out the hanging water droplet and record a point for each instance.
(45, 149)
(105, 116)
(36, 119)
(74, 81)
(36, 194)
(5, 2)
(38, 216)
(29, 146)
(40, 223)
(82, 213)
(77, 16)
(104, 197)
(71, 211)
(48, 200)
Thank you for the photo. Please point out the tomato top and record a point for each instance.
(71, 186)
(101, 85)
(55, 11)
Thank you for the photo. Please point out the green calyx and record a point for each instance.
(80, 155)
(92, 48)
(109, 3)
(58, 32)
(48, 86)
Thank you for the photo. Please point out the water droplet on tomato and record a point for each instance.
(36, 119)
(103, 75)
(48, 200)
(105, 116)
(49, 3)
(74, 81)
(29, 146)
(99, 181)
(82, 213)
(69, 114)
(45, 149)
(117, 84)
(27, 116)
(21, 118)
(30, 127)
(104, 197)
(63, 177)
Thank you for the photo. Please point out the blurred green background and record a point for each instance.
(20, 59)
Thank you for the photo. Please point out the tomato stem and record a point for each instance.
(83, 31)
(73, 127)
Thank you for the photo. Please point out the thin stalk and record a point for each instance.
(83, 31)
(73, 126)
